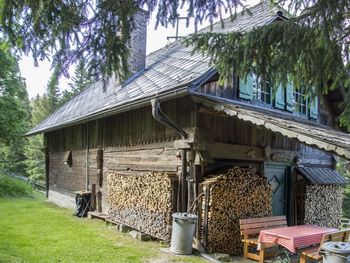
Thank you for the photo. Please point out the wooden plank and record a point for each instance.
(143, 167)
(263, 224)
(238, 152)
(257, 230)
(261, 219)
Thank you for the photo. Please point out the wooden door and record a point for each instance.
(277, 176)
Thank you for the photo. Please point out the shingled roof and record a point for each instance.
(167, 70)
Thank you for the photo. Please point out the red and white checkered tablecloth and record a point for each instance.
(294, 237)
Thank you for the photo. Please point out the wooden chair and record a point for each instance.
(250, 230)
(313, 253)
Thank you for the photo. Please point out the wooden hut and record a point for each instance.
(146, 147)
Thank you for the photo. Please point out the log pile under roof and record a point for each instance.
(228, 196)
(145, 203)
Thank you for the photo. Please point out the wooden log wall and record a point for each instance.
(225, 90)
(231, 130)
(229, 90)
(65, 178)
(145, 203)
(228, 196)
(135, 160)
(131, 128)
(132, 143)
(323, 205)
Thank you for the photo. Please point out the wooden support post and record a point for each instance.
(47, 171)
(93, 198)
(87, 179)
(99, 201)
(206, 208)
(183, 181)
(197, 180)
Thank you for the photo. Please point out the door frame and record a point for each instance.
(288, 182)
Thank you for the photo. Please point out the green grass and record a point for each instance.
(32, 230)
(14, 187)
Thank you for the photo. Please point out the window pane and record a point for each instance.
(261, 92)
(300, 101)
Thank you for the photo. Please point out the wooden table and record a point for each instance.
(293, 237)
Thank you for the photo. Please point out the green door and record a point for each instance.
(277, 176)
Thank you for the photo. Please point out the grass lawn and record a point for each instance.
(32, 230)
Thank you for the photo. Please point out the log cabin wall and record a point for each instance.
(136, 127)
(231, 130)
(133, 143)
(64, 180)
(229, 90)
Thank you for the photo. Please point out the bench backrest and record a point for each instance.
(339, 236)
(253, 226)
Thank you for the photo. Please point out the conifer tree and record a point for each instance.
(311, 47)
(14, 110)
(41, 107)
(79, 82)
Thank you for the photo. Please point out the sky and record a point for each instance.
(37, 77)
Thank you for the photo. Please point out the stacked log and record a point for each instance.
(234, 194)
(323, 205)
(145, 202)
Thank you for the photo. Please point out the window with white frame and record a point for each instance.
(300, 101)
(262, 91)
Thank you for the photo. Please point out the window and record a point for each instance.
(68, 158)
(286, 98)
(252, 88)
(261, 91)
(300, 101)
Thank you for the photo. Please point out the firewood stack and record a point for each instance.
(145, 202)
(323, 205)
(234, 194)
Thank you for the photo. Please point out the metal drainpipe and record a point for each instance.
(87, 157)
(163, 119)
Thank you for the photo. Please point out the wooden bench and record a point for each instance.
(250, 230)
(313, 253)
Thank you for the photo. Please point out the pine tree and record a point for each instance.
(311, 48)
(80, 81)
(14, 112)
(52, 93)
(41, 107)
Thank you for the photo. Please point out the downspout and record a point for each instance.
(163, 119)
(87, 157)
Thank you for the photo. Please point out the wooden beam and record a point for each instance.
(236, 152)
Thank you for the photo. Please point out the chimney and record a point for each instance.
(138, 40)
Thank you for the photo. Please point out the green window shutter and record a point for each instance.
(314, 108)
(290, 97)
(280, 98)
(246, 87)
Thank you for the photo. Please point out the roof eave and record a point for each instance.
(178, 91)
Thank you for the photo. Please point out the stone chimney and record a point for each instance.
(138, 39)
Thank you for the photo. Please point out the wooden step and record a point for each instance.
(97, 215)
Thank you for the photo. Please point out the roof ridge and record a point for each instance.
(228, 19)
